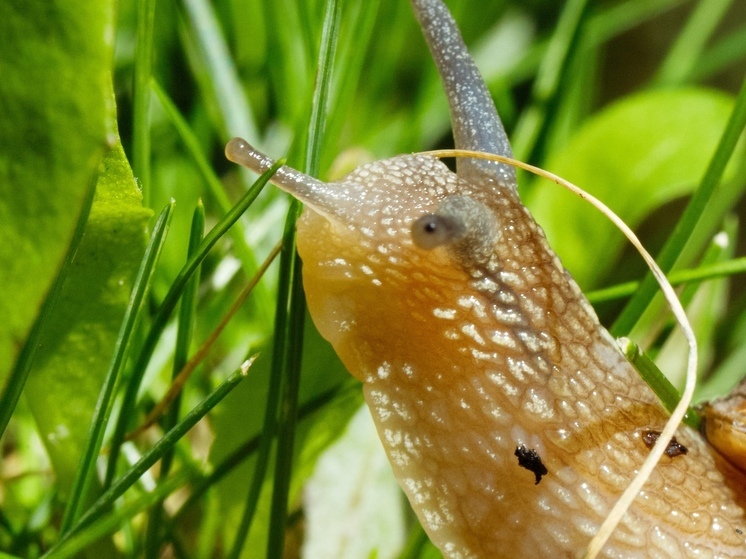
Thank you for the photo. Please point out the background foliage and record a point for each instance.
(638, 101)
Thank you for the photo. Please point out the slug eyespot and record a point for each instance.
(530, 459)
(433, 230)
(466, 225)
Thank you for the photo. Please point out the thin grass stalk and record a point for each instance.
(162, 315)
(248, 448)
(217, 191)
(536, 120)
(177, 382)
(292, 348)
(656, 380)
(416, 541)
(603, 25)
(618, 18)
(141, 97)
(679, 277)
(725, 52)
(86, 469)
(276, 381)
(135, 472)
(185, 327)
(689, 219)
(686, 52)
(351, 61)
(294, 343)
(110, 523)
(237, 118)
(19, 373)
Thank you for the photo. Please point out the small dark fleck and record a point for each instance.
(738, 531)
(673, 449)
(530, 459)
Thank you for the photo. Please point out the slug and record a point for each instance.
(725, 425)
(510, 418)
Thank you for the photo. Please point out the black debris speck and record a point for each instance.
(674, 448)
(530, 459)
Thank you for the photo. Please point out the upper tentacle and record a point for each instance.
(476, 125)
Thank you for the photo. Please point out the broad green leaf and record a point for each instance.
(54, 107)
(81, 332)
(634, 156)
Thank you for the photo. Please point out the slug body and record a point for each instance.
(440, 293)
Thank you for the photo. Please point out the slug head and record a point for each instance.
(387, 244)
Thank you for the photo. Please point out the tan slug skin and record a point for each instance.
(484, 343)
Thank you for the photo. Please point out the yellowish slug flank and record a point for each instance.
(511, 420)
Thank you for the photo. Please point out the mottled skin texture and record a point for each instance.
(461, 366)
(465, 357)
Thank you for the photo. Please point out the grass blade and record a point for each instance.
(247, 449)
(236, 115)
(141, 97)
(134, 473)
(535, 121)
(84, 475)
(279, 351)
(292, 340)
(656, 380)
(687, 51)
(216, 189)
(164, 313)
(678, 277)
(108, 524)
(686, 224)
(185, 327)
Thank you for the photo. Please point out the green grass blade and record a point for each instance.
(616, 19)
(141, 97)
(19, 374)
(84, 475)
(351, 57)
(687, 51)
(725, 52)
(287, 421)
(329, 38)
(247, 449)
(656, 380)
(679, 277)
(416, 541)
(154, 454)
(293, 338)
(235, 112)
(686, 224)
(289, 328)
(535, 121)
(216, 189)
(163, 314)
(110, 523)
(277, 380)
(187, 311)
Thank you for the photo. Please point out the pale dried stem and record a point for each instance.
(628, 496)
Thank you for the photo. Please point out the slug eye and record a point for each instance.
(433, 230)
(465, 225)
